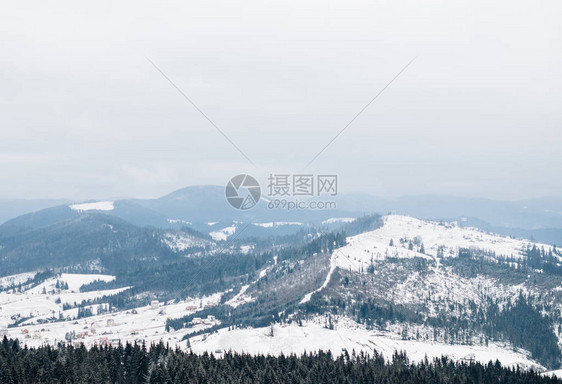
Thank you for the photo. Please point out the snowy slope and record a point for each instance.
(335, 220)
(276, 224)
(313, 336)
(144, 323)
(402, 230)
(179, 242)
(97, 206)
(46, 301)
(241, 297)
(436, 288)
(74, 281)
(223, 234)
(7, 281)
(432, 288)
(441, 283)
(557, 373)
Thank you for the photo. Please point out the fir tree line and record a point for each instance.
(134, 363)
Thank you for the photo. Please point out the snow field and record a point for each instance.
(314, 336)
(97, 206)
(375, 245)
(141, 324)
(223, 234)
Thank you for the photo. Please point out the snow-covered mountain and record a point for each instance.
(404, 237)
(393, 282)
(421, 286)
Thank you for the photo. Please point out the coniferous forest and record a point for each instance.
(133, 363)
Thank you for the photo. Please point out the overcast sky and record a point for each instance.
(83, 114)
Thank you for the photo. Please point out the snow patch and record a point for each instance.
(334, 220)
(557, 373)
(97, 206)
(181, 242)
(20, 278)
(75, 280)
(179, 221)
(276, 224)
(223, 233)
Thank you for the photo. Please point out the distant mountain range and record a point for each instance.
(539, 219)
(10, 208)
(526, 214)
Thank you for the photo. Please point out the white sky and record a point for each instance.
(84, 115)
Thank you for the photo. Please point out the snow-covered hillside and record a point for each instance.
(7, 281)
(394, 238)
(439, 284)
(146, 323)
(179, 242)
(413, 266)
(347, 335)
(223, 234)
(47, 299)
(37, 314)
